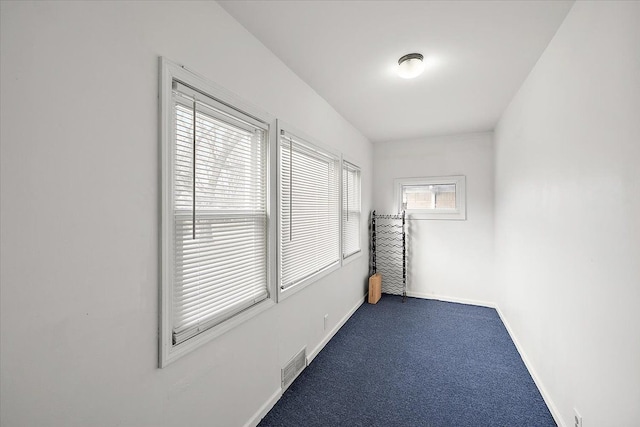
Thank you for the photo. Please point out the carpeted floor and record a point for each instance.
(421, 363)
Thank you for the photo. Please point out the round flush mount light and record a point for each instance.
(410, 65)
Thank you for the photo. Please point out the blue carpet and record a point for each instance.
(421, 363)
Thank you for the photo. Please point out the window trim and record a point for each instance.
(459, 213)
(168, 72)
(355, 255)
(285, 293)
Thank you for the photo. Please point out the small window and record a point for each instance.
(350, 209)
(432, 197)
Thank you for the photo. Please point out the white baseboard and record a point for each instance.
(450, 299)
(536, 379)
(264, 409)
(330, 335)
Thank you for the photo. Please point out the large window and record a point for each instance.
(309, 211)
(251, 211)
(432, 197)
(215, 236)
(350, 209)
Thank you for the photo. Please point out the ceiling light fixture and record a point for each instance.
(410, 65)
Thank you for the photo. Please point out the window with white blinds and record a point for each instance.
(219, 208)
(350, 209)
(309, 210)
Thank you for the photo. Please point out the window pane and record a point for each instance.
(221, 269)
(309, 211)
(438, 196)
(350, 209)
(445, 196)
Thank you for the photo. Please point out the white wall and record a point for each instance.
(568, 215)
(449, 259)
(80, 209)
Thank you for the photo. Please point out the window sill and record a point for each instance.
(447, 215)
(173, 353)
(353, 257)
(286, 293)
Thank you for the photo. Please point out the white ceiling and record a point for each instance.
(478, 53)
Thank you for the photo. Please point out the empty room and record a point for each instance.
(319, 213)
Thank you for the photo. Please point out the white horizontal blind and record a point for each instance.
(221, 269)
(350, 209)
(309, 210)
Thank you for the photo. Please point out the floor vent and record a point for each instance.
(291, 371)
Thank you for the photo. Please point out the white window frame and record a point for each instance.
(287, 292)
(169, 72)
(355, 255)
(460, 211)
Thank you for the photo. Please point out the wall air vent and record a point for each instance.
(293, 368)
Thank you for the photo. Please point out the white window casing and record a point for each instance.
(441, 197)
(216, 244)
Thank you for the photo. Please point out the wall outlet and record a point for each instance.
(577, 418)
(326, 320)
